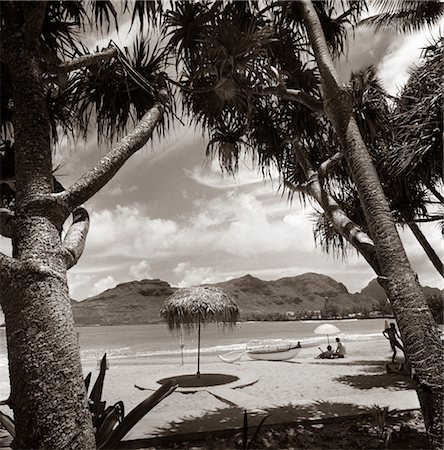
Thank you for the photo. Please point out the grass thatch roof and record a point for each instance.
(189, 305)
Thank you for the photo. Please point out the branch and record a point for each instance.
(87, 60)
(328, 164)
(74, 242)
(435, 192)
(343, 225)
(6, 218)
(428, 249)
(305, 99)
(94, 180)
(281, 90)
(296, 188)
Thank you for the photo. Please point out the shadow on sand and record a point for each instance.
(232, 417)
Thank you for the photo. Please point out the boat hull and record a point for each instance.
(273, 354)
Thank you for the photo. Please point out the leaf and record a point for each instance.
(113, 415)
(137, 414)
(253, 439)
(88, 381)
(8, 424)
(96, 393)
(245, 431)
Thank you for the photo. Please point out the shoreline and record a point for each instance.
(302, 387)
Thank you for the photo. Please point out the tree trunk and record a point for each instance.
(417, 327)
(47, 390)
(48, 394)
(433, 257)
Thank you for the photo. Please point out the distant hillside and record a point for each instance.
(128, 303)
(307, 292)
(139, 302)
(375, 290)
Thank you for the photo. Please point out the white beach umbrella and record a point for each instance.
(327, 328)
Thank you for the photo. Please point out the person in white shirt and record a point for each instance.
(340, 349)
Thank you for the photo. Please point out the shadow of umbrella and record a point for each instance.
(191, 307)
(327, 328)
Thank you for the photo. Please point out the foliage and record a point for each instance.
(405, 15)
(247, 444)
(344, 433)
(436, 306)
(110, 423)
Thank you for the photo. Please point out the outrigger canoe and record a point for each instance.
(264, 350)
(280, 352)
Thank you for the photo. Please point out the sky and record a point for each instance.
(170, 214)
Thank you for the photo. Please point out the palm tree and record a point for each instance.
(389, 141)
(291, 123)
(50, 84)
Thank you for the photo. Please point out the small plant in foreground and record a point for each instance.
(110, 423)
(245, 444)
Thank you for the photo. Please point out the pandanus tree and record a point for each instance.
(51, 85)
(388, 134)
(274, 91)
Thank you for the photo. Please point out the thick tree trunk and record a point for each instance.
(430, 252)
(47, 390)
(417, 327)
(48, 395)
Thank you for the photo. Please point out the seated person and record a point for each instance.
(340, 349)
(328, 354)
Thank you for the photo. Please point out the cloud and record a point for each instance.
(120, 190)
(212, 176)
(192, 275)
(127, 231)
(140, 271)
(234, 224)
(103, 284)
(78, 282)
(394, 69)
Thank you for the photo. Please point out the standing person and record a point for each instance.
(340, 349)
(391, 333)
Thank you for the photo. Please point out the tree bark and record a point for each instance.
(417, 327)
(335, 214)
(48, 394)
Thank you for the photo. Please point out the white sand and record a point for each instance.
(301, 381)
(286, 390)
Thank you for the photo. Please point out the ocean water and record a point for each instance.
(156, 340)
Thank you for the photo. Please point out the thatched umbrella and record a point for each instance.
(191, 307)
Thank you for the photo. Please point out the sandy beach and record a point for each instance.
(301, 388)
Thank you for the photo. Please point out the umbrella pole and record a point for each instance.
(328, 340)
(198, 349)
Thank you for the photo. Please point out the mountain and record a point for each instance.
(374, 290)
(307, 292)
(139, 302)
(135, 302)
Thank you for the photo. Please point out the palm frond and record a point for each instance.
(406, 16)
(418, 120)
(335, 18)
(118, 92)
(326, 237)
(102, 11)
(145, 11)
